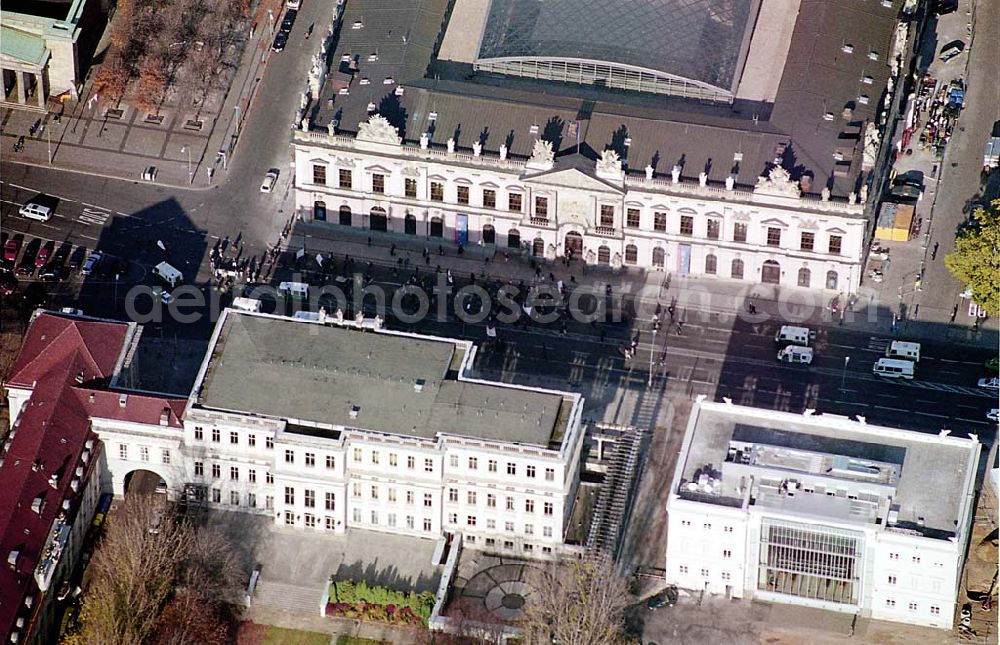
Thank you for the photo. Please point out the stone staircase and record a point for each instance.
(614, 499)
(286, 597)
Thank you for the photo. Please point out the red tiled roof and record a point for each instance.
(51, 339)
(52, 431)
(139, 408)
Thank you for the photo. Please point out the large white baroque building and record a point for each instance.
(325, 427)
(592, 210)
(822, 511)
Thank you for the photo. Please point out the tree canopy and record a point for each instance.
(976, 258)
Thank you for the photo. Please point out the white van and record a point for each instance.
(168, 274)
(903, 349)
(894, 368)
(789, 335)
(247, 304)
(294, 289)
(796, 354)
(36, 212)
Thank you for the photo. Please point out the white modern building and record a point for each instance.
(733, 145)
(822, 511)
(326, 427)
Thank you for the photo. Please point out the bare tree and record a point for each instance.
(578, 602)
(134, 570)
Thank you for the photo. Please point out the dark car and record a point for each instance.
(52, 272)
(8, 284)
(941, 7)
(77, 257)
(43, 254)
(62, 253)
(106, 267)
(280, 41)
(27, 265)
(666, 598)
(286, 24)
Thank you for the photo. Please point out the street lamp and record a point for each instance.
(843, 373)
(190, 171)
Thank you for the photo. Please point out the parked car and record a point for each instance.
(12, 248)
(162, 295)
(280, 40)
(27, 265)
(951, 50)
(269, 180)
(666, 598)
(289, 20)
(43, 254)
(993, 414)
(51, 272)
(8, 284)
(62, 253)
(989, 383)
(91, 263)
(77, 257)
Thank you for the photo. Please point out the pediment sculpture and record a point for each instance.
(778, 183)
(377, 129)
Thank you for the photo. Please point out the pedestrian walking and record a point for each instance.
(934, 251)
(680, 327)
(392, 250)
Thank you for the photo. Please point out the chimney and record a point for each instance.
(354, 411)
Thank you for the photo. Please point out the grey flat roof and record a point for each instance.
(817, 77)
(288, 369)
(932, 477)
(699, 40)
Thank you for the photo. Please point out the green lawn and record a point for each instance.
(281, 636)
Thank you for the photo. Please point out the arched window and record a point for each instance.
(603, 255)
(658, 257)
(631, 254)
(489, 234)
(831, 279)
(711, 264)
(319, 211)
(437, 227)
(538, 247)
(805, 277)
(770, 272)
(377, 219)
(345, 216)
(410, 224)
(737, 269)
(514, 238)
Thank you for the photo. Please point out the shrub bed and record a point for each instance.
(352, 599)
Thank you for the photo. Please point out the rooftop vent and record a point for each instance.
(418, 386)
(533, 129)
(867, 80)
(371, 107)
(165, 417)
(873, 55)
(432, 116)
(355, 410)
(388, 80)
(38, 504)
(12, 557)
(365, 81)
(399, 90)
(122, 400)
(358, 25)
(828, 116)
(920, 521)
(346, 58)
(737, 156)
(79, 376)
(863, 99)
(91, 397)
(847, 49)
(372, 57)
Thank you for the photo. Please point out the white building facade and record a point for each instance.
(504, 496)
(594, 211)
(768, 514)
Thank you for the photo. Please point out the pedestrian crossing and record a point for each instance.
(94, 215)
(877, 344)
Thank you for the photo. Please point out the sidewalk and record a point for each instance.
(82, 138)
(703, 295)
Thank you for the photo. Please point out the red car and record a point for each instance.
(44, 253)
(12, 248)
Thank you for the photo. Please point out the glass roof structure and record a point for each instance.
(692, 48)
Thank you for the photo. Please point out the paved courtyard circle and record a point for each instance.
(503, 589)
